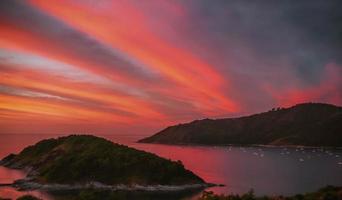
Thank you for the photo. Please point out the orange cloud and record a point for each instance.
(132, 36)
(42, 82)
(55, 108)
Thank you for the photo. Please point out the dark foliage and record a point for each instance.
(28, 197)
(80, 159)
(92, 194)
(327, 193)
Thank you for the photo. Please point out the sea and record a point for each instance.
(265, 170)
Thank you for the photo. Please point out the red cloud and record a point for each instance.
(329, 89)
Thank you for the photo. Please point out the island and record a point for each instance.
(307, 124)
(89, 162)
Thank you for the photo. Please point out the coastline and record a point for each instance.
(27, 185)
(243, 145)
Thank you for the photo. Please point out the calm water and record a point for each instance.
(268, 171)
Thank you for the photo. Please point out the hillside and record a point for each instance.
(309, 124)
(83, 159)
(326, 193)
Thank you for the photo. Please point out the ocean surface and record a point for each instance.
(266, 170)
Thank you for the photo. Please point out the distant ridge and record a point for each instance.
(307, 124)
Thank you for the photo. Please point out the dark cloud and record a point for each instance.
(258, 43)
(307, 34)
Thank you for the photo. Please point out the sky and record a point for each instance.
(137, 66)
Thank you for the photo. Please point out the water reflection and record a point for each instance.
(8, 176)
(270, 171)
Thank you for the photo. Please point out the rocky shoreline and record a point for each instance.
(30, 184)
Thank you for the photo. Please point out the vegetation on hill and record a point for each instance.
(28, 197)
(327, 193)
(82, 159)
(25, 197)
(309, 124)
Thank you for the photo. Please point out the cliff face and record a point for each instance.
(83, 159)
(310, 124)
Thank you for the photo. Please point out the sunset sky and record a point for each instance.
(136, 66)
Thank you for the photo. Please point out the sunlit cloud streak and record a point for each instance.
(117, 64)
